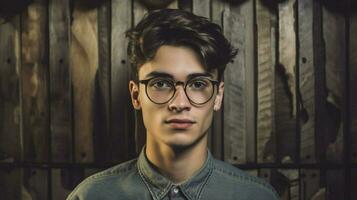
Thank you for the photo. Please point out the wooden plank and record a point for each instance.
(84, 66)
(10, 117)
(335, 184)
(310, 184)
(306, 82)
(292, 189)
(60, 87)
(11, 183)
(353, 191)
(239, 140)
(10, 108)
(201, 8)
(335, 54)
(353, 86)
(285, 85)
(284, 181)
(266, 28)
(122, 115)
(34, 81)
(59, 189)
(35, 184)
(185, 5)
(101, 134)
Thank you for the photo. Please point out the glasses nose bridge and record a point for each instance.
(183, 89)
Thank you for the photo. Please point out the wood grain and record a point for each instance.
(35, 184)
(353, 86)
(201, 8)
(266, 28)
(285, 85)
(306, 82)
(122, 114)
(291, 187)
(101, 133)
(84, 66)
(34, 81)
(310, 184)
(239, 139)
(10, 108)
(335, 54)
(335, 184)
(60, 87)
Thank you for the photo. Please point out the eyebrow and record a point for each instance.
(167, 75)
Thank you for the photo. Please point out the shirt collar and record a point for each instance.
(159, 185)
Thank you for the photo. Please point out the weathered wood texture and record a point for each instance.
(310, 184)
(238, 102)
(101, 118)
(266, 55)
(285, 85)
(353, 86)
(306, 94)
(84, 66)
(11, 141)
(335, 54)
(60, 87)
(34, 82)
(122, 126)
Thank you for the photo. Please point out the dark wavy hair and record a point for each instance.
(179, 28)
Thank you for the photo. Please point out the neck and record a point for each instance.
(177, 164)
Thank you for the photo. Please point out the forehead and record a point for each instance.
(179, 62)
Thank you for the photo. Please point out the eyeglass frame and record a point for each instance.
(184, 84)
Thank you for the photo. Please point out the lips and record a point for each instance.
(180, 123)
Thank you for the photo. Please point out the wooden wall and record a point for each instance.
(290, 104)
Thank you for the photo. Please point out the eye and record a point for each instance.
(160, 84)
(198, 84)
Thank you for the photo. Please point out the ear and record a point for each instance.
(134, 94)
(219, 97)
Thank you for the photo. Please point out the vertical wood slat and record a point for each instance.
(266, 27)
(185, 5)
(35, 112)
(10, 108)
(291, 186)
(335, 55)
(335, 184)
(201, 8)
(101, 133)
(306, 82)
(353, 192)
(285, 85)
(36, 184)
(239, 110)
(84, 66)
(34, 76)
(310, 184)
(60, 86)
(122, 126)
(353, 86)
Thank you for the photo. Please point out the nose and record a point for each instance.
(180, 101)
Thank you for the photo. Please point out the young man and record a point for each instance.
(180, 59)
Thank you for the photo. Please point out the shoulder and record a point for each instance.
(104, 180)
(239, 180)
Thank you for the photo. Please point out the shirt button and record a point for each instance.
(176, 190)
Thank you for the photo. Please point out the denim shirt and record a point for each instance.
(137, 179)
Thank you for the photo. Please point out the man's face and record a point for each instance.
(179, 62)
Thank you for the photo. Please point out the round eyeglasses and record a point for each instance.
(160, 90)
